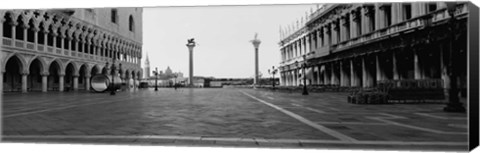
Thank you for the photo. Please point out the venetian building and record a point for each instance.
(61, 49)
(359, 45)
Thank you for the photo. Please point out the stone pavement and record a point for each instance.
(229, 117)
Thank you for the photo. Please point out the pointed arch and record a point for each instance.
(35, 71)
(41, 61)
(9, 21)
(20, 58)
(61, 65)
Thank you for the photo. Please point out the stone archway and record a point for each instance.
(36, 69)
(12, 78)
(54, 76)
(71, 78)
(82, 74)
(94, 71)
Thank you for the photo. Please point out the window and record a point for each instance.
(388, 15)
(407, 11)
(114, 16)
(432, 7)
(131, 24)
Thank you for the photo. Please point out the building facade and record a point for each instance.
(61, 49)
(360, 45)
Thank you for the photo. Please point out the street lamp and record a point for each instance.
(303, 66)
(273, 71)
(453, 104)
(156, 78)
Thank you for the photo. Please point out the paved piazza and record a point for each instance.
(229, 117)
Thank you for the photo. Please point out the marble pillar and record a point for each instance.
(417, 68)
(44, 82)
(61, 82)
(396, 75)
(24, 82)
(353, 75)
(364, 73)
(75, 82)
(87, 82)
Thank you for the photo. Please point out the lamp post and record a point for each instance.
(273, 71)
(303, 66)
(156, 78)
(453, 104)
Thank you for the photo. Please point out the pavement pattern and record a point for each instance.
(229, 117)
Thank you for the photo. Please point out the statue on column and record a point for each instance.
(191, 41)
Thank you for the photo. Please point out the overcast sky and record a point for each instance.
(223, 35)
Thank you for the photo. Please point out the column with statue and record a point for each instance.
(256, 43)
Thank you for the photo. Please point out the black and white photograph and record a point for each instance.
(393, 76)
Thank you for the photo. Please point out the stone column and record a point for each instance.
(342, 75)
(45, 40)
(378, 17)
(300, 47)
(443, 70)
(62, 44)
(35, 37)
(75, 82)
(396, 76)
(87, 82)
(307, 44)
(365, 23)
(292, 78)
(54, 42)
(61, 82)
(76, 46)
(319, 81)
(342, 28)
(326, 36)
(282, 79)
(364, 73)
(256, 43)
(326, 75)
(395, 12)
(417, 68)
(24, 82)
(333, 33)
(319, 38)
(24, 35)
(353, 75)
(14, 33)
(190, 51)
(378, 68)
(332, 74)
(286, 77)
(44, 82)
(418, 9)
(353, 24)
(295, 77)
